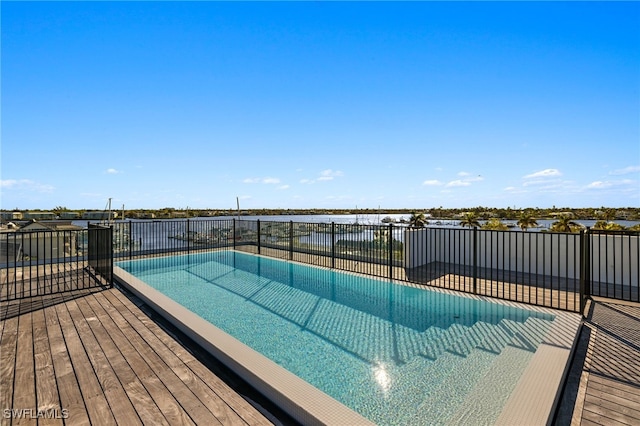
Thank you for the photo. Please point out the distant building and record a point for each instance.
(145, 215)
(35, 240)
(39, 215)
(69, 215)
(11, 215)
(100, 215)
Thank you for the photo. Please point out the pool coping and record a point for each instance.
(533, 401)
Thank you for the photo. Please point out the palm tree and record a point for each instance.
(381, 237)
(603, 225)
(417, 220)
(564, 224)
(59, 209)
(527, 221)
(495, 224)
(470, 220)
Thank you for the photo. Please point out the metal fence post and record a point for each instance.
(258, 221)
(110, 251)
(390, 250)
(234, 234)
(333, 244)
(130, 240)
(475, 260)
(582, 282)
(188, 236)
(290, 240)
(587, 264)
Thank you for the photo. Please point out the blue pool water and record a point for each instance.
(397, 355)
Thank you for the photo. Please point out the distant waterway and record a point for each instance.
(366, 219)
(147, 234)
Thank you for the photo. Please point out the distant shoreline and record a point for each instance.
(434, 213)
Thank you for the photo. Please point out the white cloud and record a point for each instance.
(25, 185)
(458, 182)
(112, 171)
(283, 187)
(544, 174)
(626, 170)
(432, 182)
(325, 175)
(329, 174)
(465, 181)
(265, 180)
(599, 185)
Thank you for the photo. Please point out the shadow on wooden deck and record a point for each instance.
(603, 385)
(28, 294)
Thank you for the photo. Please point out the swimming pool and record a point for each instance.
(396, 354)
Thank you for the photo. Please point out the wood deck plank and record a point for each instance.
(24, 386)
(119, 332)
(219, 387)
(66, 381)
(187, 399)
(119, 403)
(630, 394)
(8, 347)
(176, 357)
(92, 394)
(47, 397)
(144, 404)
(212, 390)
(611, 409)
(599, 416)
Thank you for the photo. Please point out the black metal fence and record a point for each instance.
(611, 264)
(538, 268)
(100, 251)
(42, 262)
(557, 270)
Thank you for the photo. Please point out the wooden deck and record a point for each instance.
(603, 387)
(93, 357)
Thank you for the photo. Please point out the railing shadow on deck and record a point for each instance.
(32, 294)
(618, 338)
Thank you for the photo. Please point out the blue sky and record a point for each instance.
(320, 104)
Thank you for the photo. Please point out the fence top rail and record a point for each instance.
(614, 232)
